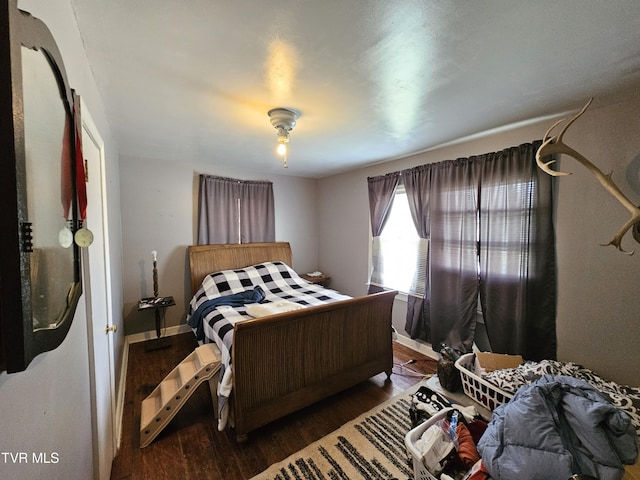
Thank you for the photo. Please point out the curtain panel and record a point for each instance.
(381, 193)
(454, 259)
(517, 261)
(235, 211)
(257, 218)
(417, 184)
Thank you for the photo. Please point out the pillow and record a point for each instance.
(226, 282)
(264, 309)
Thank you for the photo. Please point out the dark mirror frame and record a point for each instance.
(19, 342)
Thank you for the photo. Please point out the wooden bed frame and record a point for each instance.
(287, 361)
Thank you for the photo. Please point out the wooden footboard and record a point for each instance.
(288, 361)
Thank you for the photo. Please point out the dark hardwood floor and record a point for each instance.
(191, 447)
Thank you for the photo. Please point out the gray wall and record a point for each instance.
(598, 302)
(46, 408)
(159, 213)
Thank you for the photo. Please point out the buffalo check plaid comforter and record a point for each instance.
(276, 279)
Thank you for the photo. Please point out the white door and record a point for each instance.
(98, 298)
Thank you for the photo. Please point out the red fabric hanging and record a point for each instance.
(81, 186)
(65, 180)
(65, 171)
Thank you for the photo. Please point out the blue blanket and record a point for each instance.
(195, 321)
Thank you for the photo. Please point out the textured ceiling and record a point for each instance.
(371, 79)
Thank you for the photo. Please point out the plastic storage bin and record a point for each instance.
(476, 387)
(420, 471)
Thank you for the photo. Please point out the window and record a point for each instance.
(506, 209)
(499, 230)
(399, 254)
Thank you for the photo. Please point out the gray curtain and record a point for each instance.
(517, 255)
(257, 218)
(382, 190)
(417, 184)
(453, 253)
(235, 211)
(492, 237)
(489, 220)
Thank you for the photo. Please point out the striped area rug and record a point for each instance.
(369, 447)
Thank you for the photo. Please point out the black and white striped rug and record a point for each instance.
(369, 447)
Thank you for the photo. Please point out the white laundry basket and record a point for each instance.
(476, 387)
(420, 471)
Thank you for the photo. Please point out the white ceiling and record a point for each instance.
(371, 79)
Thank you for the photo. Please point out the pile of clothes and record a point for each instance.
(554, 428)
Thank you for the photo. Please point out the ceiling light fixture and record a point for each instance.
(283, 120)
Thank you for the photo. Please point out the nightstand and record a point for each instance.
(157, 304)
(319, 279)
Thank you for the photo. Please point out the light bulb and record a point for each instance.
(282, 149)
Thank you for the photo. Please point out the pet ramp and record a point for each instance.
(203, 364)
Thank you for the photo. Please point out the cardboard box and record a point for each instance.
(488, 362)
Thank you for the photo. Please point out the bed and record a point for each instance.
(283, 362)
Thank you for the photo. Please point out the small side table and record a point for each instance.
(157, 304)
(317, 279)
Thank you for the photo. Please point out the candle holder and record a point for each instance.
(155, 273)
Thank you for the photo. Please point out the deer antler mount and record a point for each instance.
(554, 145)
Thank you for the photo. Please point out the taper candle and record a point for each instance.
(155, 273)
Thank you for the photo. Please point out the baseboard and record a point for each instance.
(151, 334)
(420, 347)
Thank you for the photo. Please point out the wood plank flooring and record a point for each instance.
(191, 447)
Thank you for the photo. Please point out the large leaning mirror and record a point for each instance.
(39, 261)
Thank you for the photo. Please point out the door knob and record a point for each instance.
(111, 328)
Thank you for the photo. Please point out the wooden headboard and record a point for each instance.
(206, 259)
